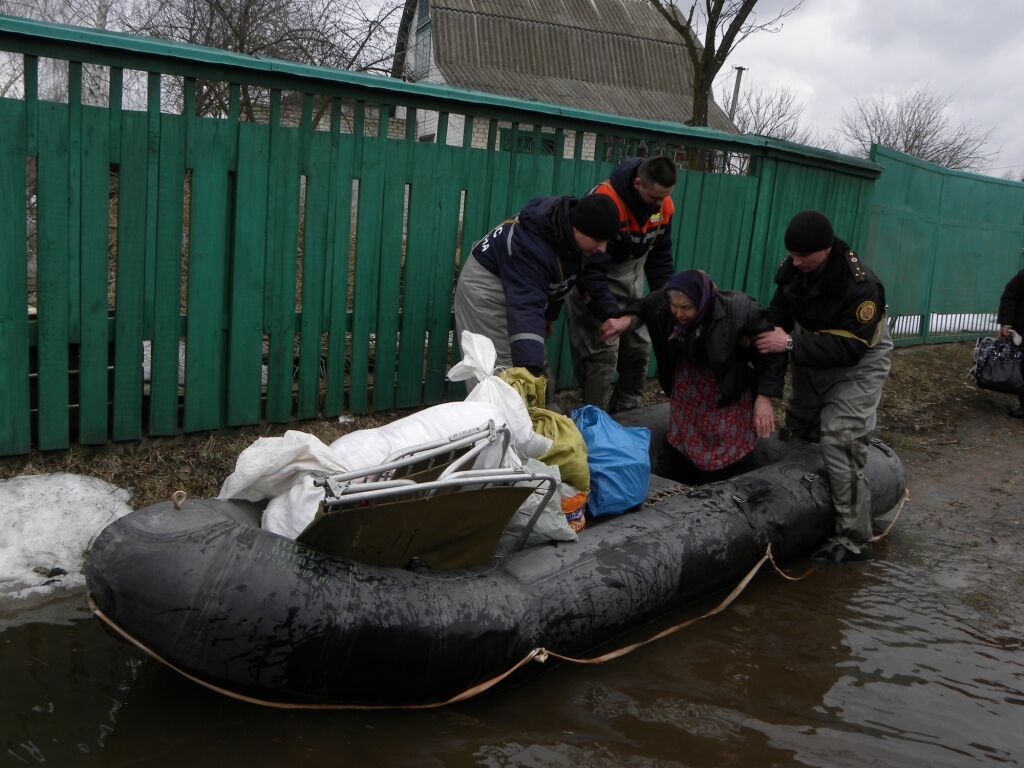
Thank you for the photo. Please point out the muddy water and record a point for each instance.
(904, 661)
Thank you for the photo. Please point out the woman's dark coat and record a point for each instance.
(1011, 305)
(732, 316)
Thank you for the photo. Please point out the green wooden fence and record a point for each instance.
(193, 272)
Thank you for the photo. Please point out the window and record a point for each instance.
(421, 67)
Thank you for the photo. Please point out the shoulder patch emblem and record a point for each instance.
(866, 312)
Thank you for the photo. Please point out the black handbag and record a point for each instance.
(999, 365)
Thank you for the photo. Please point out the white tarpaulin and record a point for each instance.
(283, 469)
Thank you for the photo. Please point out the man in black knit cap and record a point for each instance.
(829, 309)
(512, 286)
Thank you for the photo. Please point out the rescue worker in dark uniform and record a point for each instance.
(512, 286)
(829, 308)
(1011, 318)
(641, 190)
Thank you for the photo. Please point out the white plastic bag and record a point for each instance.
(478, 363)
(551, 525)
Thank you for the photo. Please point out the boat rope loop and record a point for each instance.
(539, 655)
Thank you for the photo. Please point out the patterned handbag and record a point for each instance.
(999, 365)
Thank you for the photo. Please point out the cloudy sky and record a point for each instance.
(830, 52)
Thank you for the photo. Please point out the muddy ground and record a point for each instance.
(964, 455)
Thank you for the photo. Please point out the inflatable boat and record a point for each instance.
(278, 621)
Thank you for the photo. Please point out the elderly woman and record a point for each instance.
(720, 387)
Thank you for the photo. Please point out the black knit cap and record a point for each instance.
(595, 216)
(809, 231)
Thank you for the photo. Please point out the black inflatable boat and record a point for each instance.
(257, 615)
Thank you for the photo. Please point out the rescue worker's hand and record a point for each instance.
(771, 341)
(549, 328)
(614, 327)
(1004, 331)
(764, 416)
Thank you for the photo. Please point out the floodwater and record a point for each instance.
(896, 662)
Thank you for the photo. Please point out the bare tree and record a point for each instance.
(919, 123)
(771, 112)
(719, 26)
(53, 76)
(340, 34)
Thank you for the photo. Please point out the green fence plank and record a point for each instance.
(209, 234)
(336, 280)
(282, 240)
(31, 64)
(52, 264)
(15, 434)
(390, 287)
(479, 183)
(440, 323)
(419, 265)
(165, 347)
(312, 217)
(94, 346)
(760, 266)
(74, 198)
(131, 265)
(367, 275)
(115, 100)
(314, 262)
(248, 276)
(152, 183)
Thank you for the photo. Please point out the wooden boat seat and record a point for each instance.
(452, 522)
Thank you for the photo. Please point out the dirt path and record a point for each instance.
(965, 468)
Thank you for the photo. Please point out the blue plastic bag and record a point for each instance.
(619, 460)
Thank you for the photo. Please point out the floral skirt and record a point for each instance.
(710, 437)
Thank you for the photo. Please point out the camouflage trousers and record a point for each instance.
(611, 376)
(838, 407)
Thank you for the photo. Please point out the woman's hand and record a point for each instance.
(764, 416)
(1004, 331)
(614, 327)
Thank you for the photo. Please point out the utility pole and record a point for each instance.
(732, 111)
(736, 91)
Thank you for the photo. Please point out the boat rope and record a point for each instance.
(895, 517)
(540, 655)
(676, 490)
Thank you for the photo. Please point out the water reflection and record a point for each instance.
(897, 662)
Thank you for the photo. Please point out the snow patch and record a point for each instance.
(47, 523)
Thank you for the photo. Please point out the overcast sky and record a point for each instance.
(829, 52)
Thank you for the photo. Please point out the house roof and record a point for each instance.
(615, 56)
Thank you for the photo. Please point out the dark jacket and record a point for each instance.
(1011, 305)
(536, 258)
(840, 309)
(733, 316)
(643, 231)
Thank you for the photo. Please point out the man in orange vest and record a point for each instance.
(641, 190)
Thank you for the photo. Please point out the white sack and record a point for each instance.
(551, 525)
(478, 363)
